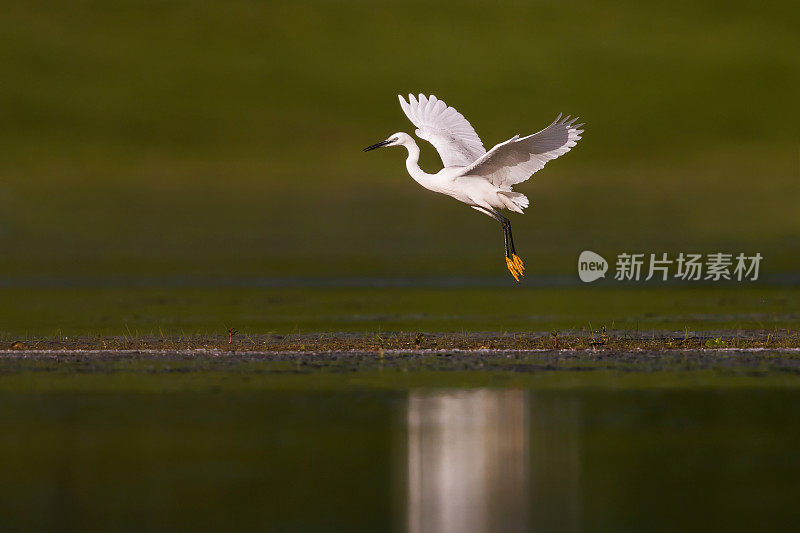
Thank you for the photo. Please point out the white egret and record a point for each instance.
(480, 179)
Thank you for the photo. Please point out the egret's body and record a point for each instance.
(480, 179)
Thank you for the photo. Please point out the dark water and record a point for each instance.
(447, 460)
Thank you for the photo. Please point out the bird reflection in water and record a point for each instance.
(491, 460)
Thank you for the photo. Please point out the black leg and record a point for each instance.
(505, 241)
(510, 250)
(513, 262)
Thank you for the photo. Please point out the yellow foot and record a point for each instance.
(519, 263)
(515, 266)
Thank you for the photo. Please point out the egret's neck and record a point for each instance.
(412, 163)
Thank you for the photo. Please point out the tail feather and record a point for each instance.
(515, 201)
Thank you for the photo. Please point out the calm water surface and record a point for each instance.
(422, 460)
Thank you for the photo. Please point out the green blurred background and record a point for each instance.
(211, 143)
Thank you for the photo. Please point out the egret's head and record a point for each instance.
(393, 140)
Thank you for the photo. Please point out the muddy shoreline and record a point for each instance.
(419, 342)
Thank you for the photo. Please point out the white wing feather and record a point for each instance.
(518, 158)
(445, 128)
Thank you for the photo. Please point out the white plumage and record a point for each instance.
(445, 128)
(518, 158)
(483, 180)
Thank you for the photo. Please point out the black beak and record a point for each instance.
(377, 145)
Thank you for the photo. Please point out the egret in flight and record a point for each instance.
(480, 179)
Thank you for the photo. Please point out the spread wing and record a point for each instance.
(516, 159)
(445, 128)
